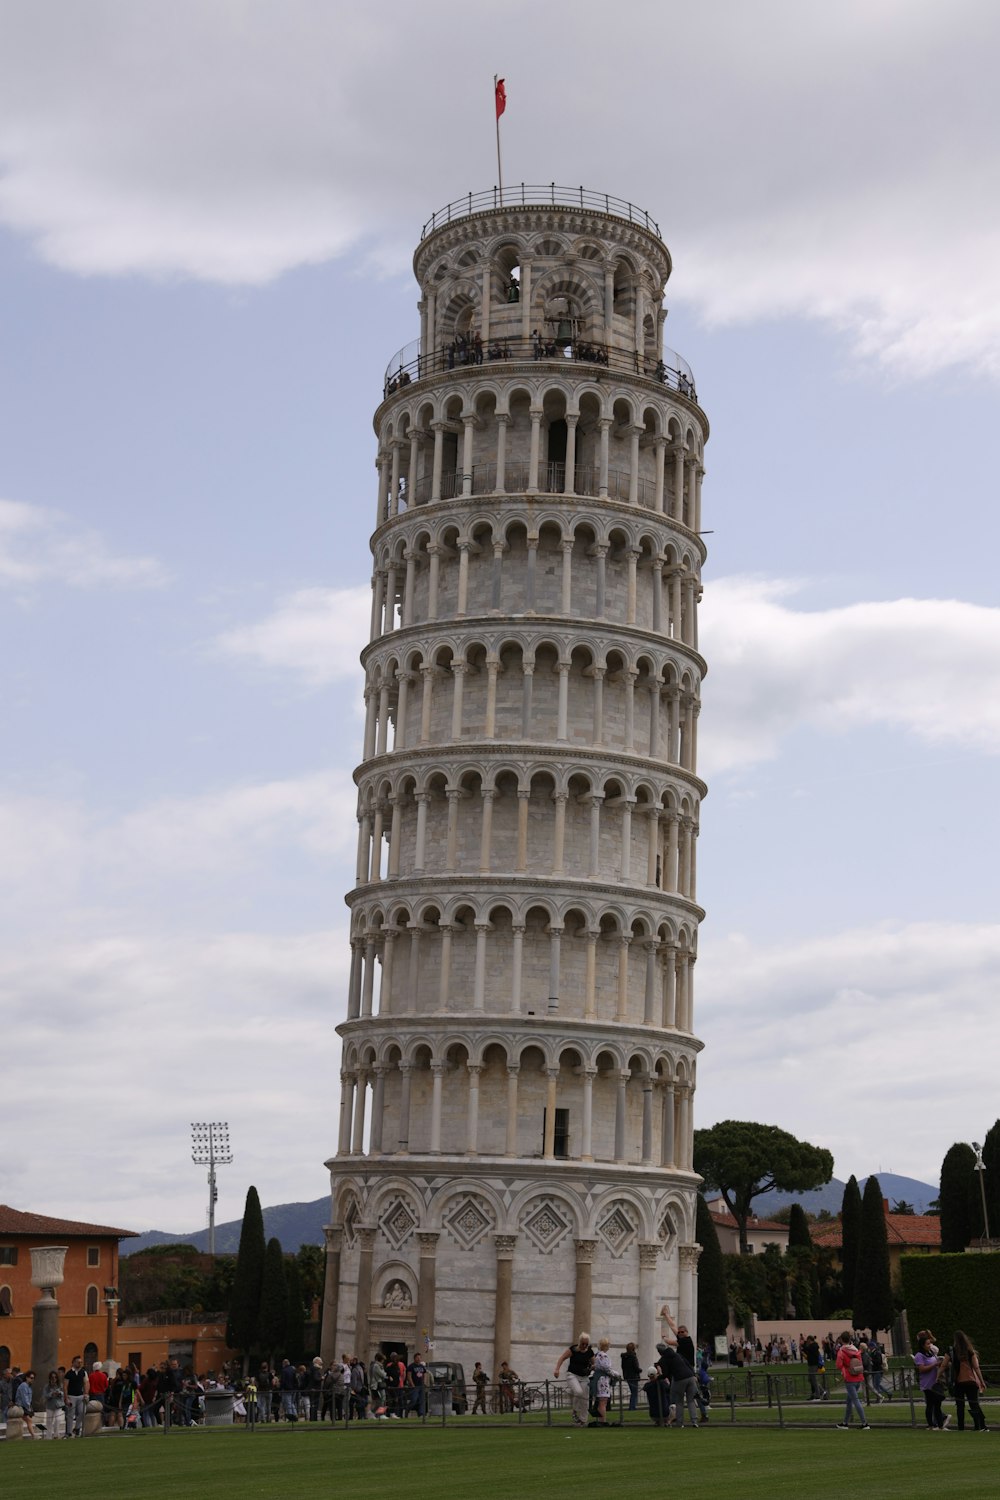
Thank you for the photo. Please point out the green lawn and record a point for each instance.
(421, 1462)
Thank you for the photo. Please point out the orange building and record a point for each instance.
(907, 1234)
(87, 1320)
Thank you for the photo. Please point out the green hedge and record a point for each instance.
(945, 1292)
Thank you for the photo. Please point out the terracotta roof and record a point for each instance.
(901, 1229)
(724, 1217)
(13, 1221)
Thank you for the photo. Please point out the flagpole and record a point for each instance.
(496, 78)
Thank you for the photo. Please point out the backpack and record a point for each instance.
(854, 1365)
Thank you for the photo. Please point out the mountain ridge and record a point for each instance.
(296, 1224)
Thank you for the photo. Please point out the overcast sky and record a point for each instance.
(207, 214)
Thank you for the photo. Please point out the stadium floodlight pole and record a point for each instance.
(210, 1147)
(980, 1167)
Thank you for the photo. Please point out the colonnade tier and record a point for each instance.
(462, 693)
(538, 821)
(518, 563)
(534, 962)
(489, 439)
(574, 1098)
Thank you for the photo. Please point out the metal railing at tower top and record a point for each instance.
(535, 195)
(410, 364)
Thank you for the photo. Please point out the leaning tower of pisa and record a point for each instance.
(514, 1156)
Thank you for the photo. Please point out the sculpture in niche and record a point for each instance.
(397, 1297)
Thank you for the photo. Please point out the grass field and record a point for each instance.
(552, 1463)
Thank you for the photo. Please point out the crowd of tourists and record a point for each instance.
(677, 1386)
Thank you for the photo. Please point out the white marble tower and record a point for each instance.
(514, 1160)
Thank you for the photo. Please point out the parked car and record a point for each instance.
(443, 1372)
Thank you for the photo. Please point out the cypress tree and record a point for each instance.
(295, 1322)
(244, 1300)
(850, 1227)
(958, 1199)
(872, 1303)
(713, 1295)
(991, 1160)
(799, 1237)
(273, 1316)
(802, 1258)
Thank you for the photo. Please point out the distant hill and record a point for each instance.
(294, 1224)
(894, 1187)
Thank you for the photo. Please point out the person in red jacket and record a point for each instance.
(852, 1371)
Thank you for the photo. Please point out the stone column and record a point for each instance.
(529, 574)
(362, 1313)
(458, 671)
(571, 421)
(582, 1301)
(410, 558)
(533, 452)
(517, 961)
(552, 1076)
(669, 986)
(385, 989)
(649, 1261)
(406, 1071)
(599, 705)
(454, 796)
(420, 850)
(653, 844)
(472, 1131)
(46, 1275)
(502, 419)
(444, 986)
(601, 554)
(590, 983)
(649, 1003)
(346, 1104)
(626, 832)
(660, 449)
(559, 832)
(486, 830)
(334, 1236)
(678, 505)
(392, 873)
(426, 700)
(562, 730)
(566, 604)
(647, 1121)
(413, 973)
(402, 708)
(667, 1132)
(605, 426)
(504, 1245)
(462, 602)
(630, 598)
(510, 1145)
(633, 478)
(437, 1074)
(684, 1131)
(587, 1143)
(378, 1109)
(620, 1117)
(621, 1012)
(434, 553)
(360, 1100)
(438, 430)
(427, 1286)
(492, 672)
(470, 423)
(523, 800)
(479, 983)
(687, 1300)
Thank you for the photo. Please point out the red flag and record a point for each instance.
(501, 93)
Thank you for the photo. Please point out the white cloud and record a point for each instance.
(821, 149)
(59, 856)
(145, 1033)
(928, 666)
(837, 1037)
(43, 546)
(314, 634)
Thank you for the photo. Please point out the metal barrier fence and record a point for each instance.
(735, 1398)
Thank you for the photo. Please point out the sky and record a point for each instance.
(207, 218)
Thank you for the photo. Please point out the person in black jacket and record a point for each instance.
(683, 1385)
(631, 1374)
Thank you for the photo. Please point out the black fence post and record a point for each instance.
(777, 1389)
